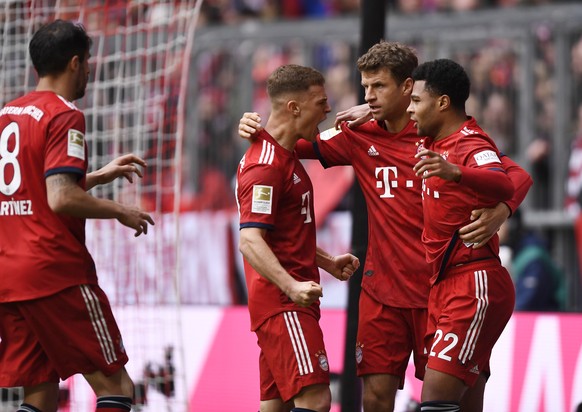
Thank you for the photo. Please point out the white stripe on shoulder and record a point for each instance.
(272, 154)
(268, 153)
(68, 103)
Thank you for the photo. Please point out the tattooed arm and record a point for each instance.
(65, 196)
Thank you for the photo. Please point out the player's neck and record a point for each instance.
(397, 124)
(55, 85)
(283, 132)
(451, 125)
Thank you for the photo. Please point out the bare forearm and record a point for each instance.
(66, 197)
(341, 266)
(258, 254)
(79, 203)
(91, 180)
(324, 260)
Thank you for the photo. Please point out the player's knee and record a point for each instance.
(316, 398)
(380, 392)
(323, 403)
(118, 384)
(127, 386)
(375, 401)
(43, 396)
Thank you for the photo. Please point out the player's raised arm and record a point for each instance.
(249, 124)
(354, 116)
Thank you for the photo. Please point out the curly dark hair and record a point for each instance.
(444, 76)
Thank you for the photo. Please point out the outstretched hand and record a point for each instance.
(136, 219)
(249, 124)
(123, 166)
(355, 116)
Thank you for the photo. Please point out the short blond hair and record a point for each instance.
(292, 78)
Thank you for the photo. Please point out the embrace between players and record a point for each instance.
(434, 286)
(437, 190)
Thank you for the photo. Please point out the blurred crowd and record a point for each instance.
(493, 64)
(233, 11)
(230, 12)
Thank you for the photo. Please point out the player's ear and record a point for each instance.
(75, 63)
(407, 86)
(293, 107)
(444, 102)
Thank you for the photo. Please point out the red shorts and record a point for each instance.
(387, 336)
(468, 309)
(292, 355)
(52, 338)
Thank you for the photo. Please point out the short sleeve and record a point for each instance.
(333, 147)
(66, 150)
(259, 190)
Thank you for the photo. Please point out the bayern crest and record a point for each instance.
(322, 360)
(419, 146)
(359, 352)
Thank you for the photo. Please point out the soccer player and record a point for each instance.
(277, 239)
(395, 285)
(472, 295)
(55, 321)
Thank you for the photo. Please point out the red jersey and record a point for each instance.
(41, 252)
(274, 192)
(395, 273)
(447, 205)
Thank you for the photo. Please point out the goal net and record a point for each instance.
(134, 103)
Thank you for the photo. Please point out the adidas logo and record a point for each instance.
(468, 132)
(475, 369)
(296, 179)
(372, 151)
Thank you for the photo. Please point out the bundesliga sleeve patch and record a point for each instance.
(262, 199)
(329, 133)
(485, 157)
(76, 144)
